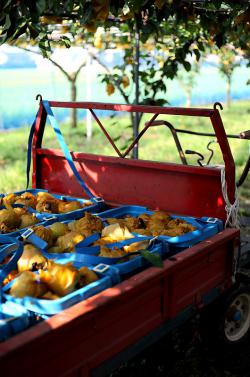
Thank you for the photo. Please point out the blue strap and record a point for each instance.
(94, 237)
(90, 255)
(34, 239)
(88, 241)
(9, 244)
(94, 259)
(211, 221)
(64, 148)
(30, 139)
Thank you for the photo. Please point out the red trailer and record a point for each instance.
(96, 335)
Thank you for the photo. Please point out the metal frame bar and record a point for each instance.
(213, 114)
(175, 131)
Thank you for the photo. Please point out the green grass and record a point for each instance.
(157, 144)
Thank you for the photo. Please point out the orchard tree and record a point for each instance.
(70, 75)
(188, 80)
(229, 59)
(141, 77)
(222, 19)
(62, 37)
(176, 28)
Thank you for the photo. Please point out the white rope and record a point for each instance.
(231, 209)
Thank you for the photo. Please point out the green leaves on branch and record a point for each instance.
(65, 41)
(187, 65)
(222, 19)
(44, 46)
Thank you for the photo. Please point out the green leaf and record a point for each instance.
(7, 3)
(41, 6)
(69, 5)
(187, 65)
(87, 12)
(50, 4)
(3, 38)
(66, 41)
(20, 31)
(124, 147)
(7, 22)
(154, 259)
(33, 31)
(2, 18)
(197, 54)
(44, 47)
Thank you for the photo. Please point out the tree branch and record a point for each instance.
(51, 60)
(79, 69)
(115, 82)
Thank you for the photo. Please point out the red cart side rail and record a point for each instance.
(76, 341)
(188, 190)
(195, 191)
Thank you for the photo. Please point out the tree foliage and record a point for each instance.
(157, 36)
(224, 21)
(160, 58)
(229, 59)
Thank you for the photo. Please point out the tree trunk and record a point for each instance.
(229, 84)
(189, 98)
(137, 91)
(73, 112)
(89, 118)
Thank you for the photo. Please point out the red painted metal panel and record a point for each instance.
(179, 189)
(73, 373)
(92, 339)
(203, 275)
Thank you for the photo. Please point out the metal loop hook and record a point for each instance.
(218, 104)
(201, 157)
(39, 96)
(210, 150)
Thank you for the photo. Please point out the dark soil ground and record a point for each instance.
(180, 354)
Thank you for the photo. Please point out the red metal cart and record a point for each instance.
(95, 336)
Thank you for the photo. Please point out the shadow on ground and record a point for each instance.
(179, 354)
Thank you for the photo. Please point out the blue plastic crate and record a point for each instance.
(108, 277)
(12, 249)
(42, 220)
(205, 226)
(86, 253)
(125, 268)
(95, 207)
(29, 235)
(13, 319)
